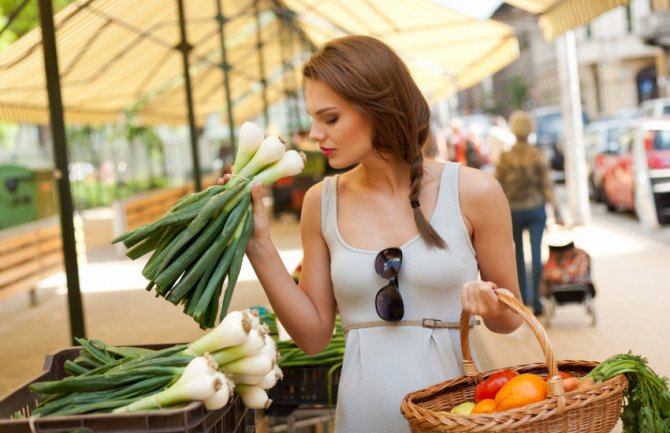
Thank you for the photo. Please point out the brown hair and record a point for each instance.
(371, 76)
(521, 125)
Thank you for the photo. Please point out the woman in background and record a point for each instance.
(523, 172)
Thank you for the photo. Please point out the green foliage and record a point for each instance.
(91, 193)
(25, 21)
(647, 398)
(518, 89)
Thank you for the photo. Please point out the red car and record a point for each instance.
(637, 176)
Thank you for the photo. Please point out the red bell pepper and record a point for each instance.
(490, 387)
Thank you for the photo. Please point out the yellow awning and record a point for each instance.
(559, 16)
(443, 48)
(245, 78)
(117, 54)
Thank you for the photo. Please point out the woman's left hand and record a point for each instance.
(479, 298)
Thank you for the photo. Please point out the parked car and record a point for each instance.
(637, 178)
(549, 127)
(655, 108)
(601, 142)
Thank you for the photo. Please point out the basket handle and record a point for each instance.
(469, 367)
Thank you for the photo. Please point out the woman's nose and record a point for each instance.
(315, 134)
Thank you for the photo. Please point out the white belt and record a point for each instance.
(424, 323)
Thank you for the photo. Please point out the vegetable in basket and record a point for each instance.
(104, 378)
(646, 400)
(200, 242)
(490, 387)
(521, 390)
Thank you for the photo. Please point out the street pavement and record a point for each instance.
(630, 268)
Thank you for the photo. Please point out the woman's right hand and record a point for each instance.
(261, 229)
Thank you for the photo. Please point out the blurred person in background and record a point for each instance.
(474, 148)
(523, 172)
(456, 141)
(499, 138)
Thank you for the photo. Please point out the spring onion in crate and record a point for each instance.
(199, 243)
(290, 355)
(123, 379)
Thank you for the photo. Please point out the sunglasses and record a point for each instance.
(388, 300)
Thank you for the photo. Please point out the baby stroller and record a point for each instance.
(566, 277)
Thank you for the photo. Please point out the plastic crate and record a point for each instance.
(193, 418)
(303, 386)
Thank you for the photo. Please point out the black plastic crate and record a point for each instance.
(193, 418)
(303, 386)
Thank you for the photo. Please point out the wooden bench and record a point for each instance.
(29, 253)
(148, 207)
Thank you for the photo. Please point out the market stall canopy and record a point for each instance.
(120, 54)
(445, 50)
(282, 53)
(117, 54)
(559, 16)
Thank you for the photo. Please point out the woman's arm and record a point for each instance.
(489, 221)
(307, 312)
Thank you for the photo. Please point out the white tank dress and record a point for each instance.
(383, 364)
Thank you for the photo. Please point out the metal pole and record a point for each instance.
(62, 179)
(261, 63)
(296, 99)
(289, 91)
(225, 67)
(573, 147)
(185, 49)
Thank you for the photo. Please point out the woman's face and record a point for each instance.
(343, 134)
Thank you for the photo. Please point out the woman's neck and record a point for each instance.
(387, 176)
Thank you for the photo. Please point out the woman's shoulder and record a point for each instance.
(476, 181)
(314, 192)
(479, 193)
(477, 187)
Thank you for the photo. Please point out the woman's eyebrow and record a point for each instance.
(324, 110)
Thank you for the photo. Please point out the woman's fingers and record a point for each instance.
(257, 197)
(479, 298)
(224, 179)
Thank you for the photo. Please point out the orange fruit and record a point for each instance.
(488, 405)
(521, 390)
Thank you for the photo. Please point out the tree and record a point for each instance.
(24, 17)
(518, 90)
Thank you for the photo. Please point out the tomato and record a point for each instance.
(490, 387)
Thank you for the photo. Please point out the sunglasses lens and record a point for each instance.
(387, 263)
(389, 303)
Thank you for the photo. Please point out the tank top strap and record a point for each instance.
(448, 220)
(447, 200)
(329, 207)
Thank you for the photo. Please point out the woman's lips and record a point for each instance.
(327, 151)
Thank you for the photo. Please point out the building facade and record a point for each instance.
(617, 68)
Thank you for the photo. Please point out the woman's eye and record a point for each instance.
(331, 120)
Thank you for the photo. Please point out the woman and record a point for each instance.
(419, 229)
(523, 172)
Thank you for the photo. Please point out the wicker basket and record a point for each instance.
(595, 409)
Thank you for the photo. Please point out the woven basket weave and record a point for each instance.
(595, 409)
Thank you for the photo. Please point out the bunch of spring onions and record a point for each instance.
(290, 355)
(237, 355)
(200, 242)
